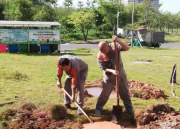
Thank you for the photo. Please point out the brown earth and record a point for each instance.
(155, 117)
(144, 90)
(101, 125)
(30, 118)
(161, 116)
(136, 88)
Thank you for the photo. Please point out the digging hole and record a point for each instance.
(96, 91)
(137, 89)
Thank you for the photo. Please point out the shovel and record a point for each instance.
(78, 106)
(117, 110)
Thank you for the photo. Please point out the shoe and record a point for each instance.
(68, 106)
(79, 112)
(98, 112)
(128, 115)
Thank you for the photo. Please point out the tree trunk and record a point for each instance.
(168, 29)
(177, 29)
(84, 35)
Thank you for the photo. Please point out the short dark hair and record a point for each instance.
(64, 62)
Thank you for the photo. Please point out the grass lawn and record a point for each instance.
(172, 38)
(32, 77)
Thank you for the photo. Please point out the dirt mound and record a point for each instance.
(144, 90)
(30, 118)
(136, 88)
(158, 117)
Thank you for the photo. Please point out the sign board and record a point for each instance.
(20, 36)
(44, 37)
(13, 36)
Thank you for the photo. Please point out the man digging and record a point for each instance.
(76, 70)
(106, 61)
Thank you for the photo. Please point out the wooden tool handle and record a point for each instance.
(78, 106)
(117, 69)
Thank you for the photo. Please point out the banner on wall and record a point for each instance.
(13, 36)
(44, 37)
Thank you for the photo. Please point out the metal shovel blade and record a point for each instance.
(116, 113)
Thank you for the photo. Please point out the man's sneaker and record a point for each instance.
(98, 112)
(68, 106)
(79, 112)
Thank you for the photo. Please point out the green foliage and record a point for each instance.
(11, 10)
(68, 3)
(83, 20)
(109, 11)
(2, 6)
(47, 13)
(25, 7)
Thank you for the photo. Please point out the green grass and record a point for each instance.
(172, 37)
(32, 77)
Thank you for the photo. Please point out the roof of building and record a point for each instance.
(28, 23)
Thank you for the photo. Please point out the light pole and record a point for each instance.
(132, 23)
(118, 17)
(117, 22)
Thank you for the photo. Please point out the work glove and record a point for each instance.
(59, 84)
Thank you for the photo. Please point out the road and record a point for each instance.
(170, 45)
(68, 46)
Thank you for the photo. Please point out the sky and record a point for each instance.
(168, 5)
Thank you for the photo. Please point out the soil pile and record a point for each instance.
(159, 117)
(30, 118)
(144, 90)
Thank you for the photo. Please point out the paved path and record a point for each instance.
(170, 45)
(68, 46)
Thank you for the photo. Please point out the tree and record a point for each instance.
(177, 21)
(2, 7)
(108, 9)
(80, 4)
(11, 11)
(88, 4)
(68, 3)
(25, 9)
(83, 20)
(47, 13)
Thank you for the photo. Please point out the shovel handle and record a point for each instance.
(117, 69)
(78, 106)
